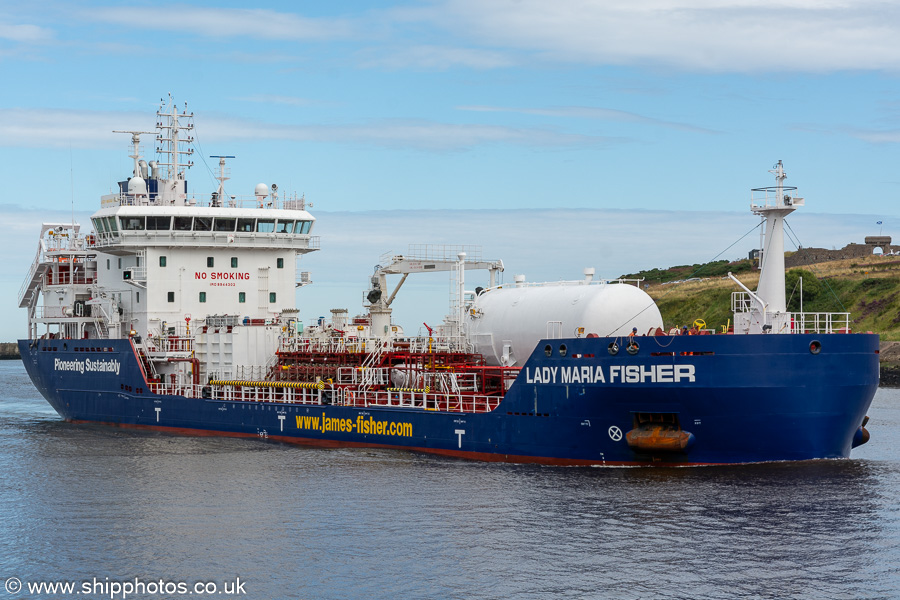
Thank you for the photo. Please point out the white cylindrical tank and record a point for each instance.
(505, 323)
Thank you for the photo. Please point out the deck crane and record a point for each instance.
(426, 259)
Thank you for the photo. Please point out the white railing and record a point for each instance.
(436, 344)
(415, 399)
(353, 344)
(422, 400)
(187, 238)
(289, 203)
(634, 282)
(367, 376)
(774, 196)
(824, 322)
(741, 302)
(282, 395)
(451, 383)
(347, 344)
(794, 322)
(251, 372)
(170, 344)
(59, 312)
(175, 389)
(31, 273)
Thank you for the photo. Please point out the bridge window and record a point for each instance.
(183, 223)
(303, 226)
(265, 225)
(132, 223)
(111, 224)
(246, 225)
(159, 223)
(224, 224)
(202, 223)
(284, 227)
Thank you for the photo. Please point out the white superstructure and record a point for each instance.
(163, 264)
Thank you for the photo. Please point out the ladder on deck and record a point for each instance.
(373, 359)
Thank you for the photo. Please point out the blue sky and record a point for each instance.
(463, 105)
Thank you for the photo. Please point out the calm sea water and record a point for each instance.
(98, 504)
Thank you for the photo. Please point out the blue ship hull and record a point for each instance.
(742, 398)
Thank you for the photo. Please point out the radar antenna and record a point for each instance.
(136, 141)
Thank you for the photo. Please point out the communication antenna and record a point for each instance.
(223, 176)
(136, 141)
(72, 183)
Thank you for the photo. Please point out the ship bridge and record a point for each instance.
(123, 229)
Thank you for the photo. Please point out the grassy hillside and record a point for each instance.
(869, 289)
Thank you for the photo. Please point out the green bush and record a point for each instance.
(812, 289)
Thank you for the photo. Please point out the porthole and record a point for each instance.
(632, 348)
(548, 350)
(815, 347)
(562, 350)
(613, 348)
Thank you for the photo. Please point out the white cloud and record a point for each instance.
(25, 33)
(431, 57)
(43, 128)
(61, 128)
(226, 22)
(275, 99)
(590, 112)
(429, 135)
(888, 136)
(727, 35)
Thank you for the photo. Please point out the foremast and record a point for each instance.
(771, 276)
(765, 311)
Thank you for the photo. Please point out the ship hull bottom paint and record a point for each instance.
(572, 403)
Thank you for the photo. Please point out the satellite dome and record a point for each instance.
(261, 190)
(137, 186)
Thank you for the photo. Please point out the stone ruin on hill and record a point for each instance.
(808, 256)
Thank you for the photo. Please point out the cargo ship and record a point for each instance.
(177, 313)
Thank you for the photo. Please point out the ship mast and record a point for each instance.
(171, 144)
(771, 277)
(219, 196)
(768, 313)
